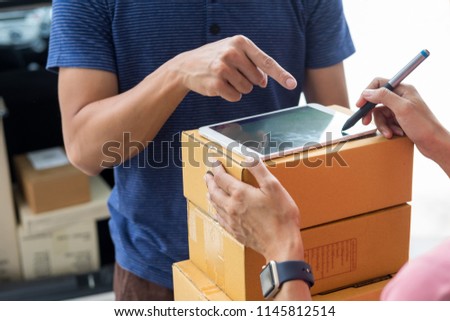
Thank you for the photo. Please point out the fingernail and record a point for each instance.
(263, 83)
(213, 162)
(385, 132)
(291, 83)
(250, 161)
(208, 173)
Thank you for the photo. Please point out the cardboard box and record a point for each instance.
(95, 209)
(190, 284)
(364, 291)
(340, 253)
(52, 188)
(327, 184)
(232, 266)
(9, 249)
(69, 250)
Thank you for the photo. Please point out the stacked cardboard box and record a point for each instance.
(55, 185)
(341, 253)
(354, 217)
(365, 291)
(193, 285)
(9, 251)
(58, 208)
(95, 209)
(62, 241)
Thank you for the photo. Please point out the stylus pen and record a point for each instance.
(391, 84)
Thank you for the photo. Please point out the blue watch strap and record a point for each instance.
(295, 270)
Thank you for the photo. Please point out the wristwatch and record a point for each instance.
(274, 274)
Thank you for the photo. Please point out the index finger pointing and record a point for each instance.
(268, 65)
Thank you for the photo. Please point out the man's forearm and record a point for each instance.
(94, 114)
(106, 133)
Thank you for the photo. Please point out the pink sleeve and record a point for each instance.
(425, 278)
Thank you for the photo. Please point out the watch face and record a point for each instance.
(267, 281)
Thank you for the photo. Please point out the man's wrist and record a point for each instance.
(174, 69)
(287, 250)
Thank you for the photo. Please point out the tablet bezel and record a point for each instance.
(236, 147)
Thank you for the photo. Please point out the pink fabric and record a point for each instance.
(425, 278)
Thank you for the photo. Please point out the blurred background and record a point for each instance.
(57, 269)
(387, 35)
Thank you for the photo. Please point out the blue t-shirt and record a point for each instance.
(133, 38)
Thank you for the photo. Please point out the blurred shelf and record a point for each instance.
(61, 287)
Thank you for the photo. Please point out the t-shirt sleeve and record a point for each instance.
(81, 36)
(328, 39)
(425, 278)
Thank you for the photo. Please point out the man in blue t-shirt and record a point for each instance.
(134, 74)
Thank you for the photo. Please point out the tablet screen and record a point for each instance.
(292, 129)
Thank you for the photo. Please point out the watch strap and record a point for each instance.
(295, 270)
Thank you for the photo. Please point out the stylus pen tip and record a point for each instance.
(345, 127)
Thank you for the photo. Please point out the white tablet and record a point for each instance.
(282, 132)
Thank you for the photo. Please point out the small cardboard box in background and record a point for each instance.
(95, 209)
(327, 184)
(340, 253)
(69, 250)
(62, 241)
(9, 250)
(190, 284)
(50, 188)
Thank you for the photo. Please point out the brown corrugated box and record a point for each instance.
(364, 291)
(71, 249)
(53, 188)
(232, 266)
(340, 253)
(190, 284)
(62, 241)
(95, 209)
(327, 184)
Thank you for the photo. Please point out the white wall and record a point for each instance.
(387, 34)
